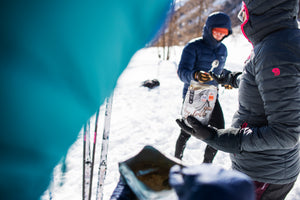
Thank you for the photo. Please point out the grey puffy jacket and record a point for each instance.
(269, 97)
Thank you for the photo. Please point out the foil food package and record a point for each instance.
(147, 174)
(199, 102)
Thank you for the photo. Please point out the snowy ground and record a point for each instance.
(147, 117)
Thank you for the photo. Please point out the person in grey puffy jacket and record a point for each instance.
(264, 139)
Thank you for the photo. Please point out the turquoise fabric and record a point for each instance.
(59, 60)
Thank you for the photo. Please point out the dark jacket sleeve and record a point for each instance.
(186, 65)
(227, 140)
(280, 94)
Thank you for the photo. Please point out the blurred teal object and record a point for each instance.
(59, 60)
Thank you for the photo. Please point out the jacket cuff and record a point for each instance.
(227, 140)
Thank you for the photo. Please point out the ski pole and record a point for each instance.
(86, 160)
(83, 163)
(104, 149)
(93, 155)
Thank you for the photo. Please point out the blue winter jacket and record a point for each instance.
(199, 54)
(59, 60)
(210, 182)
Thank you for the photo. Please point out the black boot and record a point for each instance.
(209, 154)
(181, 144)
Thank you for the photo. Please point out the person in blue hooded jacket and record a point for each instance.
(196, 61)
(59, 61)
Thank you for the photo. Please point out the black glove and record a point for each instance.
(227, 140)
(199, 131)
(227, 80)
(202, 76)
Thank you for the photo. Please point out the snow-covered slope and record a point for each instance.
(142, 117)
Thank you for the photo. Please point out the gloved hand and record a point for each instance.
(199, 131)
(227, 140)
(228, 87)
(202, 76)
(227, 80)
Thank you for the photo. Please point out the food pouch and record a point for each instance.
(199, 102)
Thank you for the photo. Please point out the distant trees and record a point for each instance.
(186, 22)
(299, 12)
